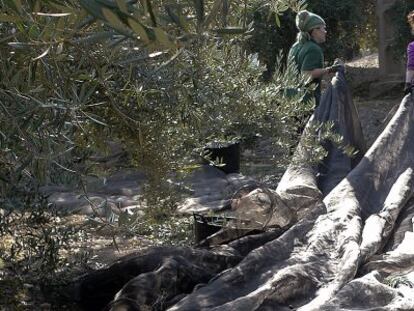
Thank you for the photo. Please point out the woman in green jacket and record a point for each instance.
(307, 53)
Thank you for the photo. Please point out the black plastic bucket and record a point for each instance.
(204, 226)
(207, 226)
(227, 154)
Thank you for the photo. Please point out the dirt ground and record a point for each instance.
(374, 96)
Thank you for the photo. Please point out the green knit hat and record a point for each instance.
(305, 22)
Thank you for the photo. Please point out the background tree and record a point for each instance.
(402, 35)
(351, 26)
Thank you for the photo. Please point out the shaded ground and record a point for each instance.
(373, 115)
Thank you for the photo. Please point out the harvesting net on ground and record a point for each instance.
(337, 235)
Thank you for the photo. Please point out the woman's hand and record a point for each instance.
(338, 65)
(408, 88)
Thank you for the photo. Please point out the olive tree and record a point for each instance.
(162, 78)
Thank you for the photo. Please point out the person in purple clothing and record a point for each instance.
(409, 75)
